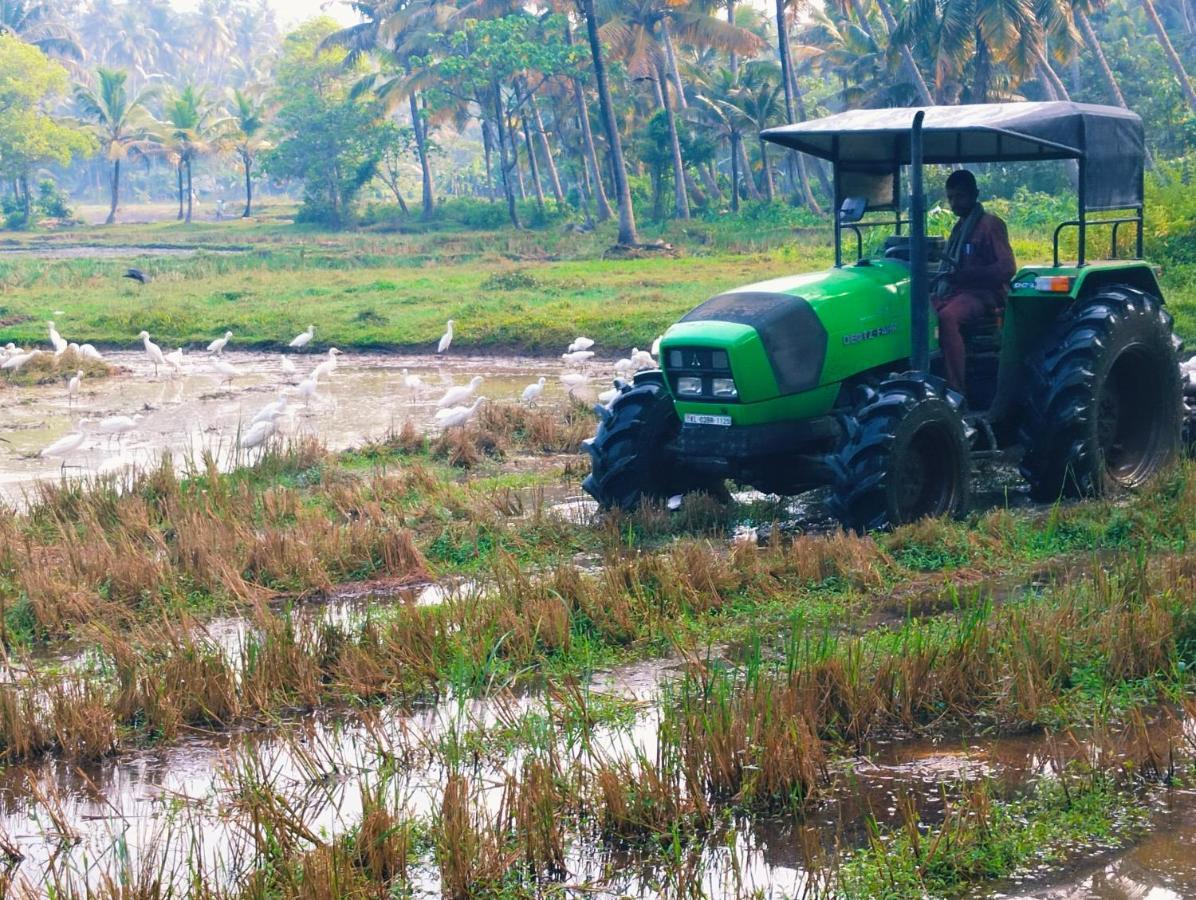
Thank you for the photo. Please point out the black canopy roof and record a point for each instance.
(1107, 140)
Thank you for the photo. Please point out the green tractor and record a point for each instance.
(833, 378)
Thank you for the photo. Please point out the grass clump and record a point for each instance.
(983, 838)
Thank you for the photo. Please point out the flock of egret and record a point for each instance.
(454, 408)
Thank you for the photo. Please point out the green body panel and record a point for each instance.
(790, 408)
(869, 299)
(864, 309)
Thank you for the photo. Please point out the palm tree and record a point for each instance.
(793, 99)
(190, 131)
(627, 233)
(756, 104)
(1173, 59)
(395, 31)
(120, 121)
(642, 32)
(993, 36)
(248, 119)
(39, 22)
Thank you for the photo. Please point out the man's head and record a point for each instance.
(962, 192)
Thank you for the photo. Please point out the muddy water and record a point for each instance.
(79, 823)
(196, 411)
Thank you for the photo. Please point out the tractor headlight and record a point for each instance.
(724, 388)
(691, 387)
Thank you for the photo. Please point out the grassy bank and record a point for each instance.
(532, 291)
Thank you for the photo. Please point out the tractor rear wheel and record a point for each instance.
(905, 455)
(1104, 401)
(628, 455)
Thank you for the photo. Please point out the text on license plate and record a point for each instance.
(703, 419)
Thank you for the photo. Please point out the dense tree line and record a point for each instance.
(601, 108)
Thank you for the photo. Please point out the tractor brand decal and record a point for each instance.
(861, 336)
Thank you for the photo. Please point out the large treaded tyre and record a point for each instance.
(1104, 403)
(905, 455)
(628, 455)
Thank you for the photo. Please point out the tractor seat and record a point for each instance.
(897, 247)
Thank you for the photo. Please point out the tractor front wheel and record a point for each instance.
(905, 455)
(629, 457)
(1104, 401)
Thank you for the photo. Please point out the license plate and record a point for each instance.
(703, 419)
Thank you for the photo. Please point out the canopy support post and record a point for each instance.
(919, 294)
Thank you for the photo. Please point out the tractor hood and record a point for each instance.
(791, 335)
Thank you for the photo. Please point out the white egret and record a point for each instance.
(117, 424)
(656, 345)
(607, 396)
(56, 340)
(288, 367)
(227, 370)
(175, 359)
(457, 415)
(625, 367)
(328, 366)
(580, 343)
(642, 359)
(412, 382)
(532, 392)
(257, 434)
(574, 380)
(577, 356)
(65, 446)
(17, 361)
(302, 340)
(217, 346)
(307, 389)
(271, 411)
(446, 338)
(153, 351)
(460, 393)
(88, 351)
(72, 386)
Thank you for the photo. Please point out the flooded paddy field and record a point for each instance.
(410, 663)
(197, 410)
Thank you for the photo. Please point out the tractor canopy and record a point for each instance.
(868, 146)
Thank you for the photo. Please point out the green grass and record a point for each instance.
(987, 839)
(532, 291)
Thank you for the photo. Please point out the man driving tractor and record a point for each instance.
(973, 278)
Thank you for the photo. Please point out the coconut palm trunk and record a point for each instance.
(190, 192)
(533, 165)
(115, 192)
(749, 179)
(907, 56)
(179, 170)
(1173, 59)
(799, 163)
(554, 178)
(598, 189)
(247, 162)
(421, 147)
(680, 196)
(627, 233)
(506, 167)
(769, 189)
(1093, 41)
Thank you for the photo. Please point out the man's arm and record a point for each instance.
(1001, 270)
